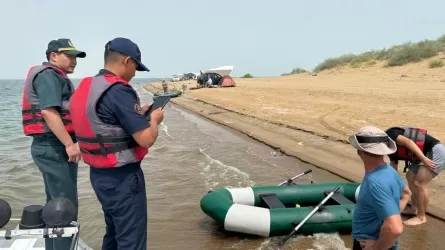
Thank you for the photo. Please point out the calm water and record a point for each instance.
(190, 157)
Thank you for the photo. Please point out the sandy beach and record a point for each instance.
(310, 116)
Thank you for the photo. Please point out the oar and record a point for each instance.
(295, 177)
(75, 241)
(309, 216)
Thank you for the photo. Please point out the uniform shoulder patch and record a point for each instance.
(138, 109)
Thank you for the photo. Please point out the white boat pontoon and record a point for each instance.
(54, 220)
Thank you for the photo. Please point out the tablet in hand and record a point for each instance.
(159, 102)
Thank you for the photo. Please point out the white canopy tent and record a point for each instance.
(223, 70)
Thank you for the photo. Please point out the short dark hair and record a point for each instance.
(48, 55)
(111, 56)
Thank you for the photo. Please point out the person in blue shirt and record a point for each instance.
(382, 195)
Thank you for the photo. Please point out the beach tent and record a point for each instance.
(227, 81)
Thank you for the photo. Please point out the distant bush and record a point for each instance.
(335, 61)
(370, 63)
(435, 64)
(295, 71)
(395, 56)
(248, 75)
(413, 52)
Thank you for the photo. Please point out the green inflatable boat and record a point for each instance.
(276, 210)
(172, 94)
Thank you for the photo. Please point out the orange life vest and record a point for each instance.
(101, 145)
(32, 119)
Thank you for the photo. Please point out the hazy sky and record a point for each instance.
(264, 38)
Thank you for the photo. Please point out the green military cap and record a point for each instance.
(64, 45)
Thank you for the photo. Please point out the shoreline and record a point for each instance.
(324, 152)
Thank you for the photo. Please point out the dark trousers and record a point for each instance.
(59, 177)
(356, 246)
(121, 192)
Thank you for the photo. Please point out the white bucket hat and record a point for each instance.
(373, 140)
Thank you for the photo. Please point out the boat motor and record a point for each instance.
(5, 213)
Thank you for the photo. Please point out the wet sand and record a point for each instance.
(310, 117)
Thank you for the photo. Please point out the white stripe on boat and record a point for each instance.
(248, 219)
(357, 191)
(242, 195)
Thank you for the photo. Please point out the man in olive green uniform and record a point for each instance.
(45, 117)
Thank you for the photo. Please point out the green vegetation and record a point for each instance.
(248, 75)
(295, 71)
(435, 64)
(395, 56)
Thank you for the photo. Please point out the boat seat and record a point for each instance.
(340, 199)
(271, 200)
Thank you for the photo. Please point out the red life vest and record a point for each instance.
(32, 119)
(418, 136)
(101, 145)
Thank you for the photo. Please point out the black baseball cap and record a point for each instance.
(64, 45)
(127, 47)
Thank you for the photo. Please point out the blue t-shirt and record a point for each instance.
(119, 106)
(379, 198)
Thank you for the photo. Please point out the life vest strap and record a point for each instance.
(34, 110)
(113, 149)
(407, 163)
(120, 143)
(41, 120)
(107, 140)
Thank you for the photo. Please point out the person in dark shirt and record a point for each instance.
(424, 163)
(55, 151)
(116, 175)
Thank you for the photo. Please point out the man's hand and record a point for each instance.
(73, 152)
(405, 197)
(367, 244)
(146, 108)
(147, 137)
(157, 115)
